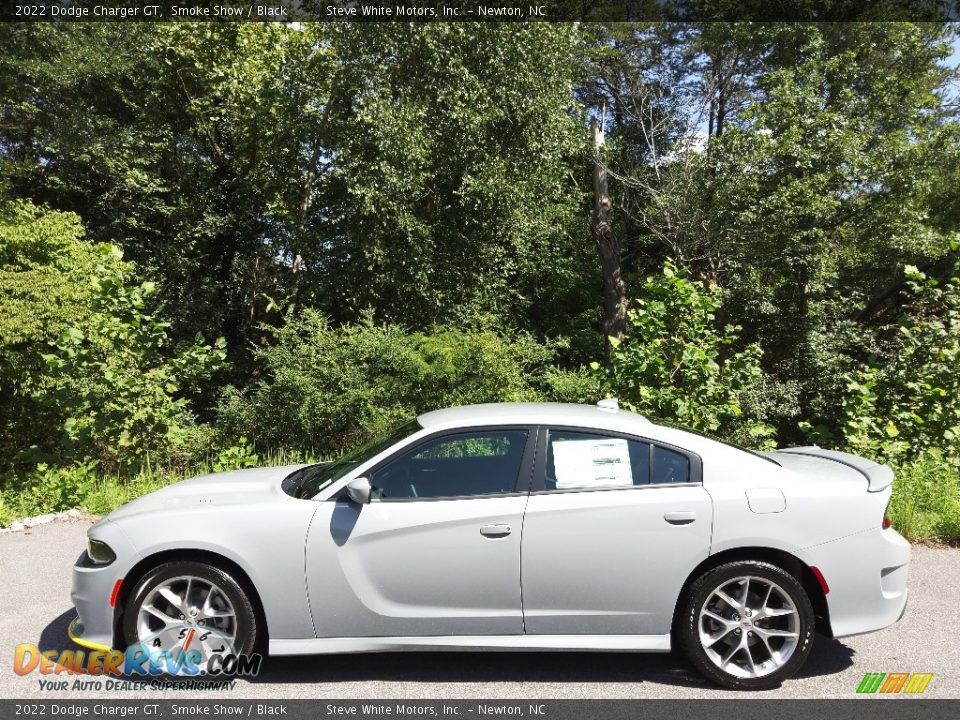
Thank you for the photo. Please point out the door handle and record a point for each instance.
(495, 531)
(684, 517)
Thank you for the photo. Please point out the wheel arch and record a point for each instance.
(782, 559)
(136, 573)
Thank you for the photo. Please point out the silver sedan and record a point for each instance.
(508, 527)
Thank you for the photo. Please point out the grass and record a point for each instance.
(925, 506)
(926, 500)
(54, 489)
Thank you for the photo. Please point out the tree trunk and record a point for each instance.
(609, 246)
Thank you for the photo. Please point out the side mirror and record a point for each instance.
(359, 490)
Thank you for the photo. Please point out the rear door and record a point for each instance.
(613, 527)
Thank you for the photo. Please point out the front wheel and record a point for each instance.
(182, 607)
(747, 625)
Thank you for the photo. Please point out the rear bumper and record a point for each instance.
(867, 576)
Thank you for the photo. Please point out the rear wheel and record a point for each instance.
(747, 625)
(181, 607)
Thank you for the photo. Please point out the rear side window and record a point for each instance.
(669, 466)
(585, 461)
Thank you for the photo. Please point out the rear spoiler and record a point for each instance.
(879, 477)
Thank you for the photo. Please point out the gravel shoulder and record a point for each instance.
(35, 608)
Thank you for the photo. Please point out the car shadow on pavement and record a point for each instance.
(54, 635)
(829, 657)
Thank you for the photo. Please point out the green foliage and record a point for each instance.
(117, 380)
(329, 388)
(281, 187)
(421, 169)
(236, 457)
(45, 270)
(86, 485)
(582, 386)
(56, 488)
(908, 401)
(674, 365)
(926, 498)
(820, 189)
(451, 192)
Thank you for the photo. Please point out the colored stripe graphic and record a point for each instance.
(870, 682)
(894, 682)
(918, 682)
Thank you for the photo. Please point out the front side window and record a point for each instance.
(481, 462)
(586, 461)
(311, 480)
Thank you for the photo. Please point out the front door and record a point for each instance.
(612, 530)
(436, 551)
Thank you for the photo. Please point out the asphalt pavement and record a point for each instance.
(35, 608)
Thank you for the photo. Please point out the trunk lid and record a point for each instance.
(815, 460)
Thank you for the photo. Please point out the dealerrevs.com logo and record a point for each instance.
(894, 683)
(139, 667)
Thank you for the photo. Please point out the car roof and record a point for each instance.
(521, 413)
(588, 417)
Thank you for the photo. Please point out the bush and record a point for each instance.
(45, 270)
(119, 384)
(236, 457)
(674, 365)
(329, 387)
(907, 403)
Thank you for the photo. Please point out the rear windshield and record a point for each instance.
(734, 445)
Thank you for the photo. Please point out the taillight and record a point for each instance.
(887, 522)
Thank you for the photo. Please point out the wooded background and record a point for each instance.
(229, 244)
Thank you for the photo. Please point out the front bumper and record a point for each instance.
(93, 586)
(867, 575)
(76, 633)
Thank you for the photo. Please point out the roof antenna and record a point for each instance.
(608, 404)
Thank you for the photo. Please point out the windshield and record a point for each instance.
(315, 478)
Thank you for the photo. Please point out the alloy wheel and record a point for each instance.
(186, 613)
(749, 627)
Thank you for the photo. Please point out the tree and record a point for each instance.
(45, 266)
(121, 388)
(450, 196)
(795, 165)
(675, 365)
(821, 189)
(421, 171)
(905, 401)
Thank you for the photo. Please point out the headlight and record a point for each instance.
(99, 552)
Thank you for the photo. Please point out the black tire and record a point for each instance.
(702, 590)
(247, 624)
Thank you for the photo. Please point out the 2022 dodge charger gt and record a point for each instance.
(509, 527)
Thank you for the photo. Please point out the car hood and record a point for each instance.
(247, 487)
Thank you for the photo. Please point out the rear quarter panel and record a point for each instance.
(821, 503)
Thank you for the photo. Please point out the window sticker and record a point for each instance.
(595, 462)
